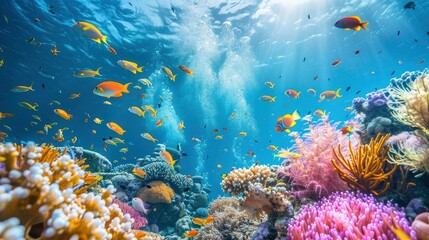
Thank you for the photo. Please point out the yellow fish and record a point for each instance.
(218, 137)
(285, 154)
(123, 150)
(137, 111)
(329, 95)
(137, 87)
(98, 121)
(115, 127)
(169, 73)
(242, 134)
(130, 66)
(149, 137)
(181, 125)
(107, 103)
(28, 105)
(151, 110)
(267, 98)
(167, 157)
(62, 113)
(118, 140)
(87, 73)
(145, 81)
(54, 101)
(90, 31)
(21, 89)
(272, 147)
(74, 139)
(269, 84)
(111, 142)
(320, 113)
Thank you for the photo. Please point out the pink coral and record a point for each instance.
(349, 215)
(139, 221)
(312, 173)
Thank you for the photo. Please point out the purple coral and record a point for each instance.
(359, 104)
(139, 221)
(376, 99)
(348, 215)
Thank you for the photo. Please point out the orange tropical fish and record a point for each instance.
(62, 113)
(250, 154)
(54, 51)
(74, 95)
(5, 115)
(329, 95)
(292, 93)
(130, 66)
(191, 233)
(232, 115)
(139, 172)
(181, 125)
(198, 221)
(272, 147)
(287, 121)
(115, 127)
(111, 89)
(208, 220)
(74, 139)
(351, 22)
(167, 157)
(159, 123)
(186, 70)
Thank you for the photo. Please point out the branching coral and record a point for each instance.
(237, 181)
(349, 215)
(46, 192)
(368, 168)
(312, 174)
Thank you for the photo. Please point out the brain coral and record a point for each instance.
(156, 192)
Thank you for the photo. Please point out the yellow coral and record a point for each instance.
(410, 155)
(158, 192)
(37, 188)
(368, 168)
(236, 182)
(409, 103)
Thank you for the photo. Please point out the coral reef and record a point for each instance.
(229, 222)
(367, 169)
(156, 192)
(311, 174)
(348, 215)
(409, 103)
(139, 221)
(237, 181)
(378, 125)
(47, 193)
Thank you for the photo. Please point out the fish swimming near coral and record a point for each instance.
(329, 95)
(139, 205)
(287, 121)
(139, 172)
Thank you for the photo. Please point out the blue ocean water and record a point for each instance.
(233, 47)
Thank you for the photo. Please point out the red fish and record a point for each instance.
(351, 22)
(186, 70)
(292, 93)
(336, 62)
(346, 130)
(112, 50)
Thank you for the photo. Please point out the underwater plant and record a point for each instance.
(367, 169)
(349, 215)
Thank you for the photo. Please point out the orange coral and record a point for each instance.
(157, 192)
(368, 168)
